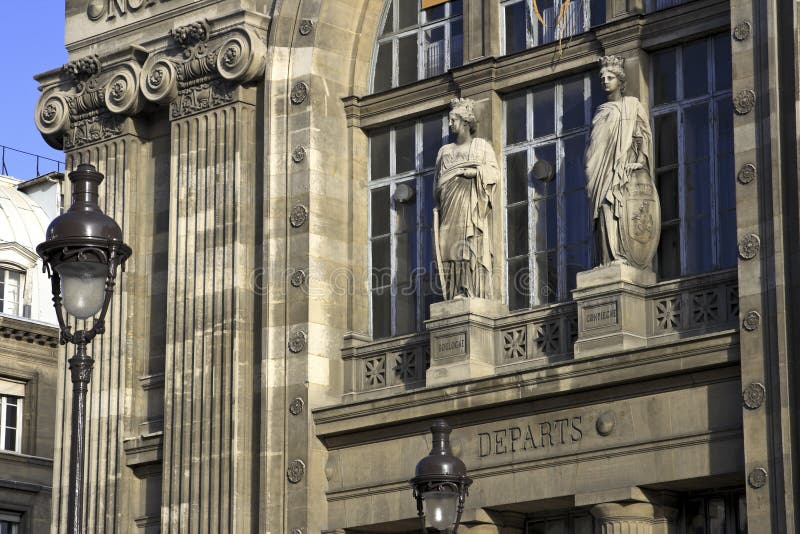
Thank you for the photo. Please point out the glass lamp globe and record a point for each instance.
(83, 286)
(441, 508)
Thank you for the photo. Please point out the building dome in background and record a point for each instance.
(24, 288)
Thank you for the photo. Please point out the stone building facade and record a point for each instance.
(276, 351)
(28, 356)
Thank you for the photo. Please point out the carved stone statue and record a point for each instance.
(466, 175)
(625, 208)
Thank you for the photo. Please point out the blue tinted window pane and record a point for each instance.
(667, 183)
(598, 12)
(456, 44)
(456, 8)
(516, 114)
(515, 24)
(727, 241)
(698, 245)
(544, 111)
(545, 277)
(431, 140)
(406, 309)
(577, 260)
(433, 51)
(574, 172)
(722, 62)
(666, 139)
(576, 220)
(669, 252)
(548, 13)
(388, 26)
(664, 77)
(434, 13)
(695, 69)
(574, 114)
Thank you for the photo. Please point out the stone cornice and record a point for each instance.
(26, 330)
(353, 422)
(89, 100)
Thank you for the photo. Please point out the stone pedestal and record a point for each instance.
(462, 339)
(611, 309)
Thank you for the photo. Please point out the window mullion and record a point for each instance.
(2, 423)
(420, 229)
(683, 227)
(714, 183)
(392, 238)
(18, 426)
(533, 274)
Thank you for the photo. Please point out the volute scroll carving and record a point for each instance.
(159, 80)
(89, 104)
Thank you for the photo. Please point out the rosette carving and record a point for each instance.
(52, 117)
(159, 80)
(122, 91)
(241, 57)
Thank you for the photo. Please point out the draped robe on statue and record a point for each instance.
(465, 205)
(615, 126)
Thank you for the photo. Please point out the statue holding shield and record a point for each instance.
(466, 175)
(626, 214)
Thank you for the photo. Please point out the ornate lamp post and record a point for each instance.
(441, 484)
(81, 255)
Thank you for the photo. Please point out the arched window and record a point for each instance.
(416, 43)
(530, 23)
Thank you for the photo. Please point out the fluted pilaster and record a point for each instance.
(209, 464)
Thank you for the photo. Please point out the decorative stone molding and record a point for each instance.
(749, 246)
(90, 105)
(742, 30)
(746, 174)
(751, 321)
(296, 471)
(298, 216)
(299, 93)
(298, 278)
(629, 518)
(206, 70)
(299, 154)
(753, 395)
(306, 25)
(757, 478)
(296, 406)
(744, 101)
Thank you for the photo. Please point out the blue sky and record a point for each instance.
(32, 41)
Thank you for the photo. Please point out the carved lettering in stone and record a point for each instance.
(448, 346)
(110, 9)
(600, 316)
(749, 247)
(534, 435)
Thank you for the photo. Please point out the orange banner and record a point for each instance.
(431, 3)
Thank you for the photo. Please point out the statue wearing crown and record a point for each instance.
(466, 175)
(626, 214)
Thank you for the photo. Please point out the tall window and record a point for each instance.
(693, 139)
(10, 423)
(401, 209)
(10, 291)
(529, 23)
(415, 44)
(9, 522)
(547, 220)
(655, 5)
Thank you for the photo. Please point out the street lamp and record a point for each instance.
(82, 251)
(441, 483)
